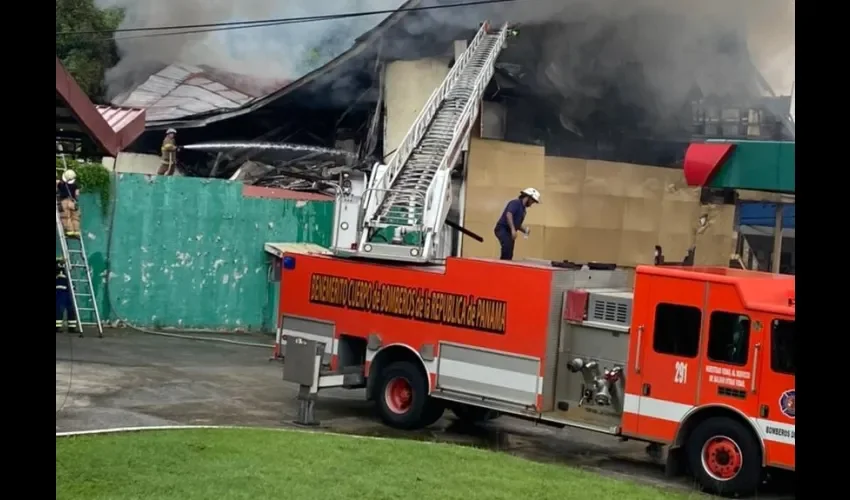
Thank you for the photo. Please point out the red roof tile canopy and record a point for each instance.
(112, 129)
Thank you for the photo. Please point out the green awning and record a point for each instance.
(751, 165)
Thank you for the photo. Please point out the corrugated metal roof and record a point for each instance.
(178, 110)
(99, 124)
(119, 118)
(127, 123)
(181, 90)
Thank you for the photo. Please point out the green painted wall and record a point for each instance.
(188, 252)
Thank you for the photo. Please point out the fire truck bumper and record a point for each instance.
(303, 366)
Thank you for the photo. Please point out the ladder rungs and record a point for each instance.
(85, 309)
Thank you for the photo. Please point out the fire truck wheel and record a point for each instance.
(403, 396)
(434, 410)
(725, 457)
(473, 414)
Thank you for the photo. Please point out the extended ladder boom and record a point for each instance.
(405, 204)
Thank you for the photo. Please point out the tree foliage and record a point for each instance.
(92, 177)
(87, 56)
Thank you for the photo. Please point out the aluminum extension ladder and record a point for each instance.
(79, 278)
(410, 188)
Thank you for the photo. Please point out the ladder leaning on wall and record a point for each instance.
(79, 279)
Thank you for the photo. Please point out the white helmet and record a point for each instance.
(170, 131)
(69, 176)
(533, 193)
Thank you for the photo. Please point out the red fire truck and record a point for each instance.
(700, 360)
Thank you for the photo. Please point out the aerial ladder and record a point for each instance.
(399, 211)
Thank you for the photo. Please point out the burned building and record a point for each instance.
(548, 90)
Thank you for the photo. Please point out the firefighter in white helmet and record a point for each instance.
(68, 192)
(510, 222)
(169, 153)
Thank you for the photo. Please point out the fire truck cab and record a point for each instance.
(698, 360)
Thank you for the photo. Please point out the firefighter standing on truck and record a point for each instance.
(64, 302)
(510, 223)
(68, 192)
(169, 153)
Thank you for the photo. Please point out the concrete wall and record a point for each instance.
(133, 163)
(591, 210)
(407, 87)
(188, 252)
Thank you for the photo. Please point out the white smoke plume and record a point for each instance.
(676, 42)
(272, 53)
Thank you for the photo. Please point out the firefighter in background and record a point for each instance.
(169, 153)
(510, 222)
(68, 192)
(64, 302)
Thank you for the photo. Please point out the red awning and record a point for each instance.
(703, 160)
(112, 129)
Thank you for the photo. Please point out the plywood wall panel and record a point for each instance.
(642, 214)
(485, 204)
(533, 246)
(675, 245)
(489, 248)
(645, 182)
(560, 243)
(600, 212)
(605, 178)
(564, 175)
(636, 248)
(505, 164)
(557, 210)
(678, 217)
(601, 245)
(591, 210)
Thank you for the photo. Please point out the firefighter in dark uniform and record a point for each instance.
(64, 302)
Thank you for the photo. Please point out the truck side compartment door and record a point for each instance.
(777, 386)
(670, 356)
(731, 350)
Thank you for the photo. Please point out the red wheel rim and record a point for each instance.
(722, 458)
(398, 395)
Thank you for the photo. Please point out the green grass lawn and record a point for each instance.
(224, 464)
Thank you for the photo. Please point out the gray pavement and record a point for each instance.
(129, 379)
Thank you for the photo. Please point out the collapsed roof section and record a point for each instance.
(191, 96)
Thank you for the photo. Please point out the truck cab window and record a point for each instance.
(728, 338)
(677, 330)
(783, 352)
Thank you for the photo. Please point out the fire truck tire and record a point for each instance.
(434, 410)
(403, 401)
(473, 414)
(725, 457)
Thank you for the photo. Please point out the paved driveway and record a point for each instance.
(129, 379)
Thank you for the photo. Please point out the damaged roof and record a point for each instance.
(111, 129)
(182, 90)
(187, 96)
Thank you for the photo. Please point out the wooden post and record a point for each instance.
(777, 239)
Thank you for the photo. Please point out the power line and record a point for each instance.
(224, 26)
